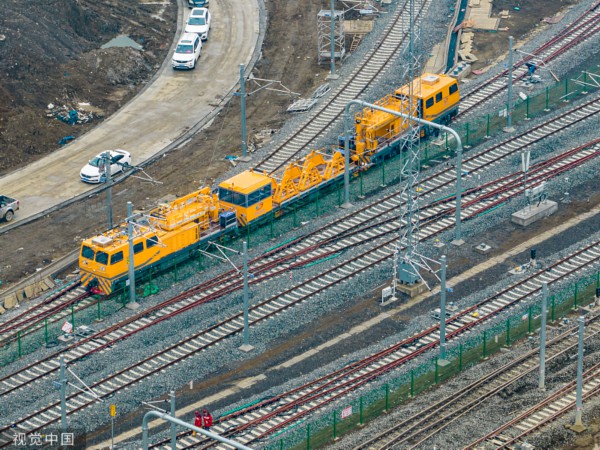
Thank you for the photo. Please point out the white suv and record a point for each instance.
(199, 23)
(187, 52)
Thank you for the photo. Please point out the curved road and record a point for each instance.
(175, 102)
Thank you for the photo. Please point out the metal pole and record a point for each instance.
(173, 424)
(243, 100)
(509, 108)
(332, 41)
(347, 203)
(112, 433)
(542, 382)
(246, 347)
(459, 151)
(181, 423)
(132, 301)
(578, 426)
(63, 395)
(443, 310)
(107, 160)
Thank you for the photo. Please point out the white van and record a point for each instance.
(187, 52)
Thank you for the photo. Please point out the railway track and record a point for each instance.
(53, 306)
(583, 28)
(422, 425)
(256, 422)
(321, 120)
(376, 62)
(268, 308)
(430, 185)
(345, 232)
(534, 419)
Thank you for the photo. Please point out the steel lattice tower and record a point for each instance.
(407, 259)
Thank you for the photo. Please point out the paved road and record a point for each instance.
(170, 106)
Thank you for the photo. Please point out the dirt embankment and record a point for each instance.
(80, 71)
(50, 53)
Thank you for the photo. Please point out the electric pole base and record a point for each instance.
(334, 76)
(346, 205)
(457, 242)
(509, 129)
(245, 159)
(412, 290)
(443, 362)
(246, 348)
(388, 300)
(577, 428)
(133, 306)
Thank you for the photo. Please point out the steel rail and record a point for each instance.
(591, 388)
(35, 310)
(32, 367)
(28, 325)
(411, 345)
(158, 362)
(330, 393)
(375, 62)
(441, 414)
(584, 27)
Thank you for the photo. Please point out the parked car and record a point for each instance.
(197, 3)
(187, 52)
(93, 171)
(199, 23)
(8, 206)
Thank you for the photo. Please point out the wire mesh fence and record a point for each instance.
(363, 184)
(467, 351)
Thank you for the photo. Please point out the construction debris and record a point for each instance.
(73, 115)
(304, 104)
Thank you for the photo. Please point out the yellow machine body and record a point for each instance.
(249, 193)
(435, 95)
(431, 97)
(173, 230)
(165, 232)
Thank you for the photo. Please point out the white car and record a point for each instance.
(187, 52)
(93, 172)
(199, 23)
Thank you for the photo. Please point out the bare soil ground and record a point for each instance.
(50, 53)
(64, 65)
(490, 47)
(81, 72)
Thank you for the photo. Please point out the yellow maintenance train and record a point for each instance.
(173, 230)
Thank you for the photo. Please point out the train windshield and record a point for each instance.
(232, 197)
(87, 252)
(259, 194)
(102, 257)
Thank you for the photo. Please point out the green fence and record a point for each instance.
(462, 353)
(46, 332)
(536, 104)
(363, 184)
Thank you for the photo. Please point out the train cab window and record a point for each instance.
(151, 241)
(87, 252)
(116, 257)
(232, 197)
(438, 97)
(138, 247)
(101, 257)
(453, 88)
(429, 102)
(259, 194)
